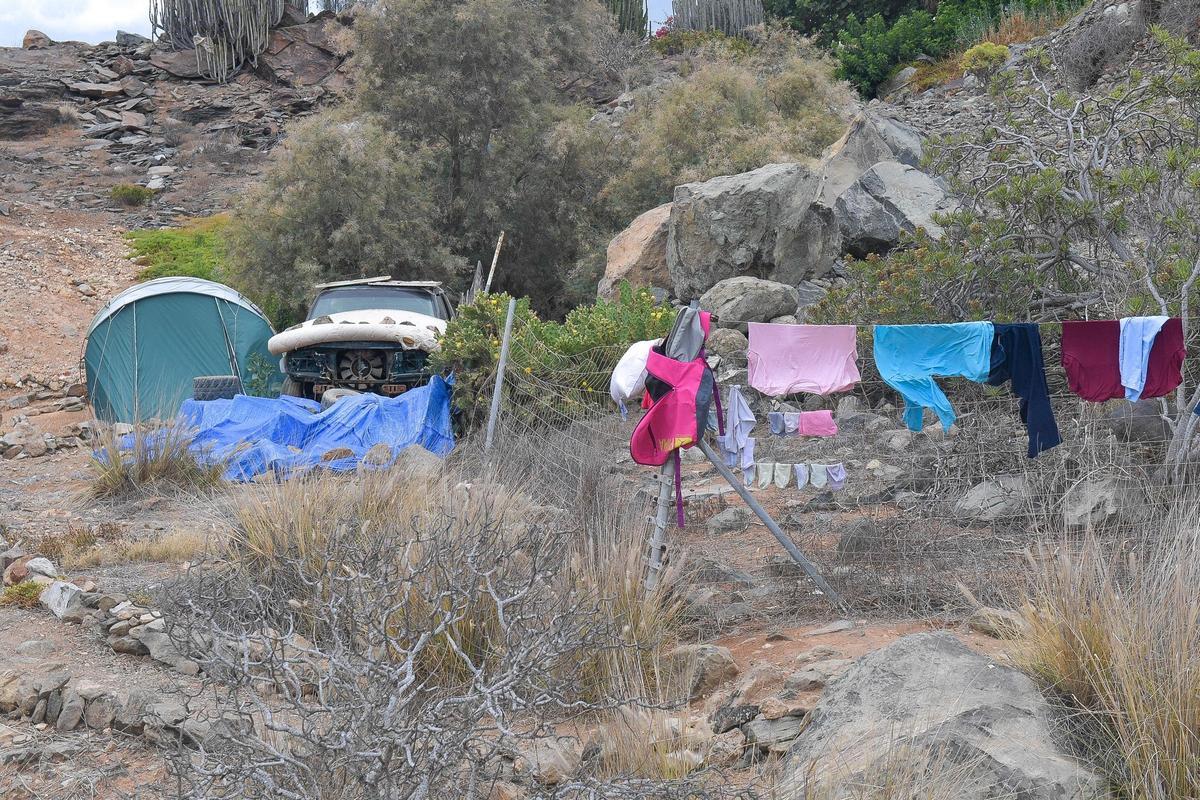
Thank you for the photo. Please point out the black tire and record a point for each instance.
(292, 388)
(216, 387)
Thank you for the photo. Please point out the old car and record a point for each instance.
(369, 335)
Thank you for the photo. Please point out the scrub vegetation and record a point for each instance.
(1114, 632)
(401, 620)
(574, 357)
(128, 194)
(518, 152)
(25, 594)
(151, 459)
(195, 249)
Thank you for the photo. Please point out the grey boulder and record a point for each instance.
(731, 225)
(889, 199)
(737, 301)
(928, 696)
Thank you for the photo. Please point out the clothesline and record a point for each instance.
(725, 322)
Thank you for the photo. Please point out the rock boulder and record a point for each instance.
(737, 301)
(36, 40)
(638, 254)
(889, 199)
(929, 695)
(730, 226)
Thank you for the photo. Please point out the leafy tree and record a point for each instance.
(345, 199)
(461, 127)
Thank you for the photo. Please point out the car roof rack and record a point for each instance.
(383, 280)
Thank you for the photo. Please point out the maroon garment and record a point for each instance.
(1164, 371)
(1091, 357)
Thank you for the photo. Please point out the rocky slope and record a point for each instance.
(793, 224)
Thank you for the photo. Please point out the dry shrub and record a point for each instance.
(285, 533)
(152, 458)
(1102, 43)
(25, 594)
(413, 633)
(729, 117)
(1116, 631)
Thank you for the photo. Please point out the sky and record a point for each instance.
(98, 20)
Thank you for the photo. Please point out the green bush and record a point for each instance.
(196, 249)
(870, 52)
(553, 368)
(962, 276)
(128, 194)
(984, 59)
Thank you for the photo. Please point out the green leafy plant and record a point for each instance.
(984, 59)
(196, 249)
(128, 194)
(25, 594)
(565, 365)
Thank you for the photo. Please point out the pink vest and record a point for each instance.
(671, 421)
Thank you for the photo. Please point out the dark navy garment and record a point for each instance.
(1017, 356)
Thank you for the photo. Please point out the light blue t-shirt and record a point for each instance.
(909, 357)
(1137, 337)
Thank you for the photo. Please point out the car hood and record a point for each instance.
(408, 329)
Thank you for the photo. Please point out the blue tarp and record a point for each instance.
(257, 435)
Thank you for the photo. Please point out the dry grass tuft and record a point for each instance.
(905, 772)
(1117, 633)
(174, 548)
(153, 458)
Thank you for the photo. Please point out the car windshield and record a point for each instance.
(360, 298)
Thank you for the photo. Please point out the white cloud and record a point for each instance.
(85, 20)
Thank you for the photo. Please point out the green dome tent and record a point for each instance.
(148, 343)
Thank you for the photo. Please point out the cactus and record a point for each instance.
(632, 15)
(731, 17)
(224, 33)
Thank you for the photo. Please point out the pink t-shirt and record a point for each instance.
(818, 359)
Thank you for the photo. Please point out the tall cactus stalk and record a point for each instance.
(224, 33)
(731, 17)
(632, 15)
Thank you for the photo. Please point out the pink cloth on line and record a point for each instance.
(817, 423)
(818, 359)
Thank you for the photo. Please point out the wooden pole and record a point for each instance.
(495, 257)
(495, 410)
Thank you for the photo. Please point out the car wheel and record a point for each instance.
(216, 387)
(292, 388)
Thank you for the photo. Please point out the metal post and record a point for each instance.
(809, 568)
(495, 410)
(658, 540)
